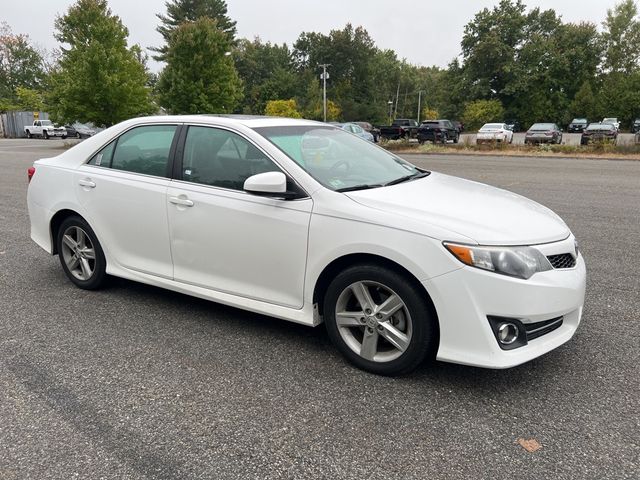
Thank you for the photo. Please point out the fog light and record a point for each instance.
(507, 333)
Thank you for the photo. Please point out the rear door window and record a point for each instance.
(142, 150)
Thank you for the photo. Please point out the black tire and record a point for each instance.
(29, 134)
(45, 135)
(457, 138)
(420, 141)
(98, 276)
(423, 340)
(445, 137)
(77, 134)
(64, 137)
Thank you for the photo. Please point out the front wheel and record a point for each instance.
(445, 137)
(456, 139)
(80, 253)
(378, 320)
(28, 134)
(45, 135)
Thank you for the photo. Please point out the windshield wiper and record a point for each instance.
(364, 186)
(407, 178)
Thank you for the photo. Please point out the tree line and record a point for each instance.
(515, 63)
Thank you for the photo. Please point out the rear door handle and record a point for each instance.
(181, 200)
(86, 182)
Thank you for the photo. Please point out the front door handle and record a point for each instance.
(87, 182)
(181, 200)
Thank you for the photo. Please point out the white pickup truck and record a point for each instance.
(44, 129)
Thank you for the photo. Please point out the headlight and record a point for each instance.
(521, 262)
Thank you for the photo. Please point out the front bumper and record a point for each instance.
(464, 298)
(57, 133)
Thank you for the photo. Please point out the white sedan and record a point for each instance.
(494, 132)
(305, 222)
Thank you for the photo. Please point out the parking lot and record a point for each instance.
(137, 382)
(567, 138)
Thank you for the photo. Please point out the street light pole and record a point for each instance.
(419, 98)
(324, 77)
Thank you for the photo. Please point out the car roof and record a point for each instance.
(250, 121)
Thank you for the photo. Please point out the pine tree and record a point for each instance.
(181, 11)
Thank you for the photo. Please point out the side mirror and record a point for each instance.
(269, 184)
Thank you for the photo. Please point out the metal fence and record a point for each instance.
(12, 123)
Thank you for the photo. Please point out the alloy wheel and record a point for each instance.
(78, 253)
(373, 321)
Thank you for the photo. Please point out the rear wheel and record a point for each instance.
(80, 254)
(77, 134)
(456, 138)
(378, 320)
(445, 137)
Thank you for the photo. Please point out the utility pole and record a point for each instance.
(324, 77)
(419, 98)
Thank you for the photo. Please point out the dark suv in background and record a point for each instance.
(635, 126)
(438, 131)
(577, 125)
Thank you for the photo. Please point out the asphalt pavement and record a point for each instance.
(137, 382)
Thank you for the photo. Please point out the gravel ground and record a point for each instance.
(137, 382)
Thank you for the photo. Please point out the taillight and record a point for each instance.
(31, 171)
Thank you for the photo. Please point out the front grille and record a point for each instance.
(564, 260)
(537, 329)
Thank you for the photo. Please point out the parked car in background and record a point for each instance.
(577, 125)
(494, 132)
(635, 126)
(437, 131)
(400, 128)
(44, 129)
(613, 121)
(599, 132)
(367, 127)
(543, 133)
(355, 129)
(401, 264)
(513, 125)
(637, 138)
(459, 125)
(79, 130)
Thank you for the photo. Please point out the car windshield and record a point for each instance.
(600, 126)
(610, 120)
(542, 126)
(579, 120)
(46, 122)
(491, 126)
(338, 160)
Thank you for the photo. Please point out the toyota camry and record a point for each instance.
(308, 223)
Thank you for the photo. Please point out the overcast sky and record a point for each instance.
(424, 32)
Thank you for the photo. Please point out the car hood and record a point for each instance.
(488, 215)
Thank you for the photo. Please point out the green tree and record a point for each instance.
(29, 99)
(99, 79)
(21, 65)
(200, 77)
(267, 73)
(621, 38)
(183, 11)
(584, 103)
(349, 51)
(282, 108)
(479, 112)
